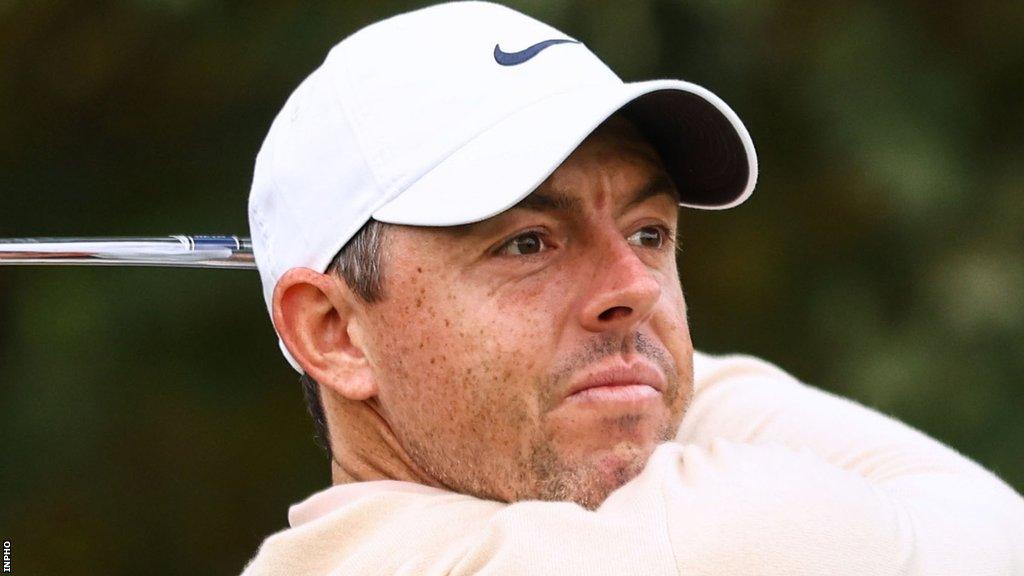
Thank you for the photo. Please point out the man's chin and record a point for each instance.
(588, 479)
(615, 468)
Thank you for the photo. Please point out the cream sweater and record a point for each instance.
(766, 477)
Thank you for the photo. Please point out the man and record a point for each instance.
(465, 227)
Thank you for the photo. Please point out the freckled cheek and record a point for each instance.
(451, 324)
(507, 331)
(536, 303)
(459, 362)
(429, 334)
(418, 332)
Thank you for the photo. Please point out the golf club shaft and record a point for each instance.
(185, 251)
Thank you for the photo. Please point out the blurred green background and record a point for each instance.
(149, 424)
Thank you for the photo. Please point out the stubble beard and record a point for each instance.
(542, 472)
(589, 483)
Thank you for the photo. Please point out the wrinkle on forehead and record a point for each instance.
(557, 199)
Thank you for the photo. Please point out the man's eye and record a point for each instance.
(648, 237)
(523, 245)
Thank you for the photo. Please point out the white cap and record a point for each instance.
(454, 113)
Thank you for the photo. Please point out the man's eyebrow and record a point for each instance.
(558, 201)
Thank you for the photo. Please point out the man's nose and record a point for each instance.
(623, 291)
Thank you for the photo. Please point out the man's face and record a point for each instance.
(542, 353)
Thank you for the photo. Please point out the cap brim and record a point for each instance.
(706, 150)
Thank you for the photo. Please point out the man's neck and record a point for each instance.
(365, 448)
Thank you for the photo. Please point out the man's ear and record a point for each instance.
(314, 316)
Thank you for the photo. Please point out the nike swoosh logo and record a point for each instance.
(513, 58)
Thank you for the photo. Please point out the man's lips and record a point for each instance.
(618, 380)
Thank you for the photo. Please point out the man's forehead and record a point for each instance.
(616, 145)
(553, 197)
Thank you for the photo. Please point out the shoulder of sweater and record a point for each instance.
(709, 369)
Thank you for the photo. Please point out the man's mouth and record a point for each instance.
(617, 381)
